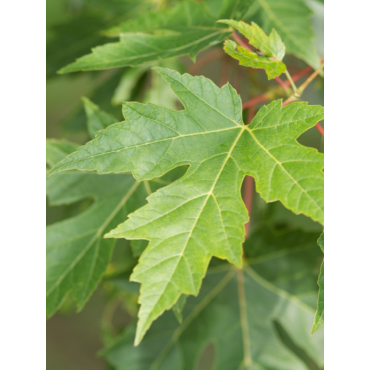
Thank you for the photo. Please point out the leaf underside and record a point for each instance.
(202, 214)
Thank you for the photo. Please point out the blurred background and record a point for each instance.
(73, 28)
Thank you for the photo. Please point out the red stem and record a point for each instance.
(320, 129)
(299, 75)
(255, 100)
(249, 181)
(265, 96)
(281, 82)
(240, 41)
(248, 200)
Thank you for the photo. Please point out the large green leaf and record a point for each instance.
(185, 29)
(319, 316)
(242, 313)
(202, 215)
(272, 48)
(291, 19)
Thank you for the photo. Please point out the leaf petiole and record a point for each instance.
(294, 87)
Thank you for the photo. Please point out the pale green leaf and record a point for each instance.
(239, 311)
(271, 46)
(97, 119)
(246, 58)
(202, 214)
(291, 20)
(319, 316)
(186, 29)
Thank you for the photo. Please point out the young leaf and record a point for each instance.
(291, 20)
(239, 311)
(271, 46)
(319, 316)
(246, 58)
(202, 214)
(186, 29)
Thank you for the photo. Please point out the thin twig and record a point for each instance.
(291, 81)
(240, 41)
(255, 100)
(301, 88)
(320, 129)
(309, 79)
(282, 84)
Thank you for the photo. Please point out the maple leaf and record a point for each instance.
(272, 48)
(319, 316)
(202, 214)
(256, 318)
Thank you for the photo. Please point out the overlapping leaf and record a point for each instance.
(319, 316)
(242, 313)
(56, 150)
(97, 119)
(77, 254)
(185, 29)
(202, 214)
(272, 48)
(291, 20)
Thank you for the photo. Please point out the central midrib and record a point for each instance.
(193, 227)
